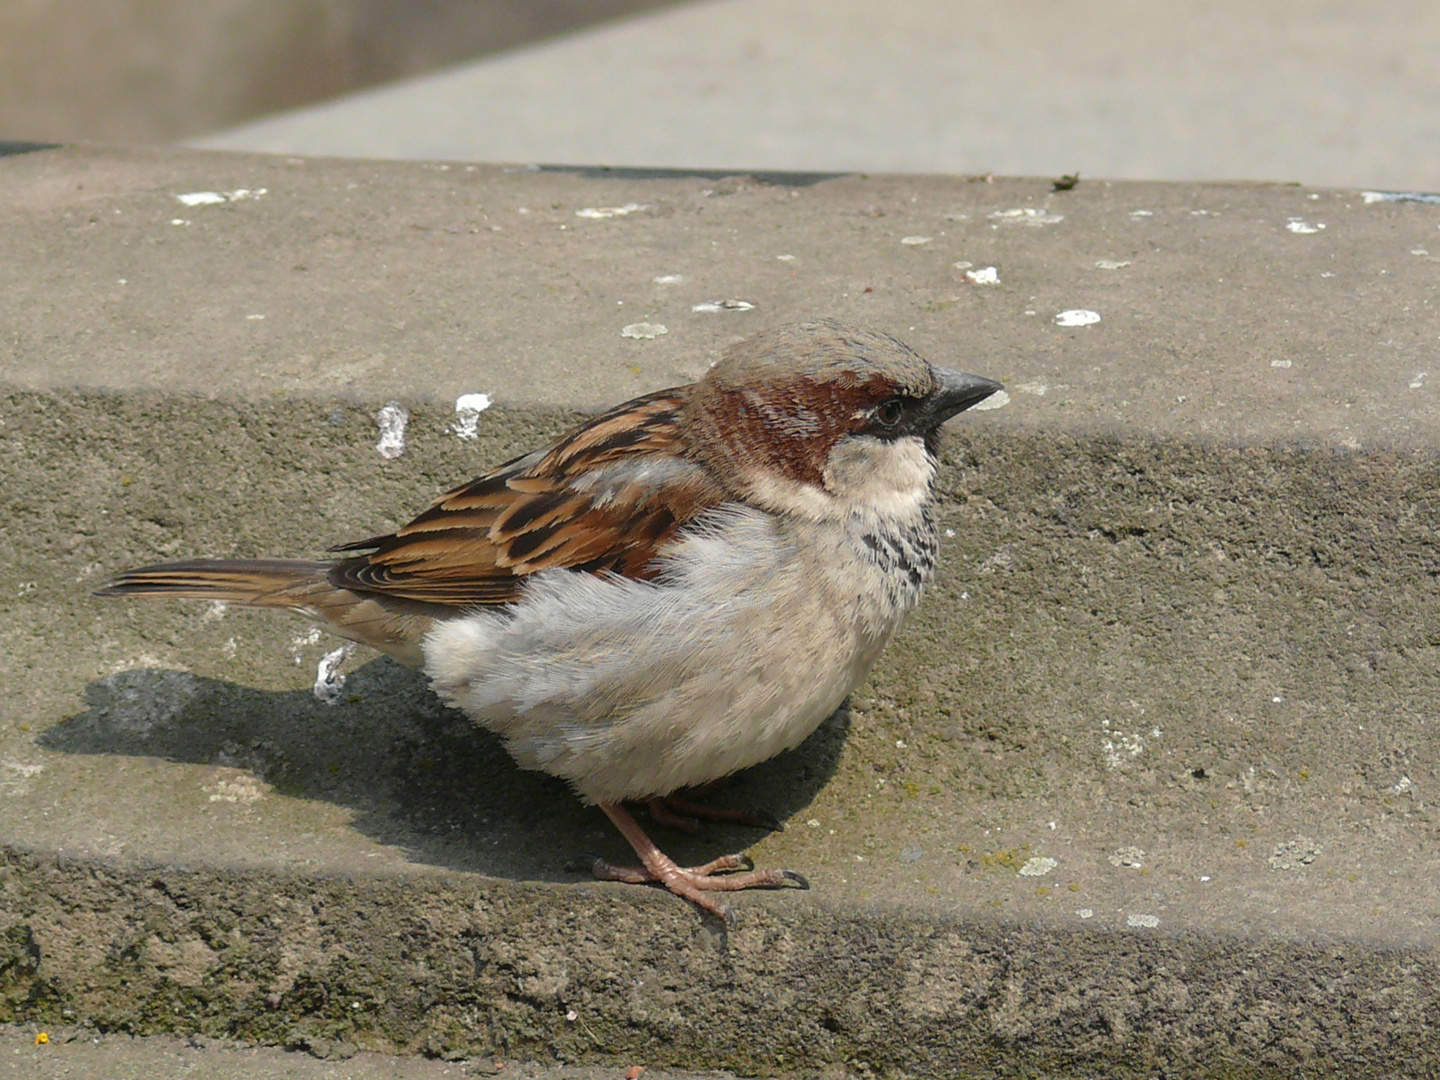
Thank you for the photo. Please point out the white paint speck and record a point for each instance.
(1111, 264)
(1037, 867)
(234, 786)
(1142, 213)
(572, 1016)
(668, 279)
(1116, 746)
(711, 306)
(597, 212)
(1303, 227)
(1150, 921)
(255, 318)
(329, 680)
(213, 198)
(643, 330)
(1419, 251)
(785, 258)
(1403, 785)
(1419, 380)
(1085, 913)
(1077, 317)
(392, 419)
(300, 642)
(1280, 363)
(178, 221)
(1025, 215)
(214, 611)
(468, 408)
(985, 275)
(949, 532)
(997, 400)
(914, 241)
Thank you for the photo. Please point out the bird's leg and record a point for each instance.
(682, 811)
(662, 812)
(693, 883)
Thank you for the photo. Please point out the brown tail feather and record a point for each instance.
(256, 582)
(288, 584)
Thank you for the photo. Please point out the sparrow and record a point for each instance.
(677, 589)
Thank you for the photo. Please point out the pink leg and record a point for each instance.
(693, 883)
(681, 808)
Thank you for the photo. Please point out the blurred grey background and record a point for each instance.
(1326, 92)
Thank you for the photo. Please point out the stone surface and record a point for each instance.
(82, 1053)
(1183, 639)
(1340, 92)
(157, 70)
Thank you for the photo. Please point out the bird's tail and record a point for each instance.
(272, 583)
(286, 584)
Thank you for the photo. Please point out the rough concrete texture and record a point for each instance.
(80, 1052)
(1144, 789)
(76, 1052)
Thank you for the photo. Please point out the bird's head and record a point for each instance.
(826, 418)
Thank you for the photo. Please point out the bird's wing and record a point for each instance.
(604, 498)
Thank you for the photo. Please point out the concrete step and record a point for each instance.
(1145, 787)
(1341, 93)
(77, 1052)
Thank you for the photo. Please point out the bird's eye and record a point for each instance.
(890, 412)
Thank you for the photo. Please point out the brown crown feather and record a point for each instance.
(778, 402)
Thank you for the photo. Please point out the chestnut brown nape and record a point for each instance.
(779, 401)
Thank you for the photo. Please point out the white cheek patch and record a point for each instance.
(887, 476)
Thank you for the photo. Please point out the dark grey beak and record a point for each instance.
(958, 392)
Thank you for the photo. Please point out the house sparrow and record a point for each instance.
(677, 589)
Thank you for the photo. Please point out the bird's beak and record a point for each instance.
(957, 392)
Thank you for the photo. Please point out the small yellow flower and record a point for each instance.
(42, 1038)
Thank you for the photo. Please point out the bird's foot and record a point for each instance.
(729, 873)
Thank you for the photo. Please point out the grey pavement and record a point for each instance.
(71, 1053)
(1147, 786)
(1327, 92)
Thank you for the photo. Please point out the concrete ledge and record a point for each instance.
(1183, 646)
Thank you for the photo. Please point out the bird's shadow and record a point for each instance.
(416, 774)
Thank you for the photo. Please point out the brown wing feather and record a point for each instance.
(602, 499)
